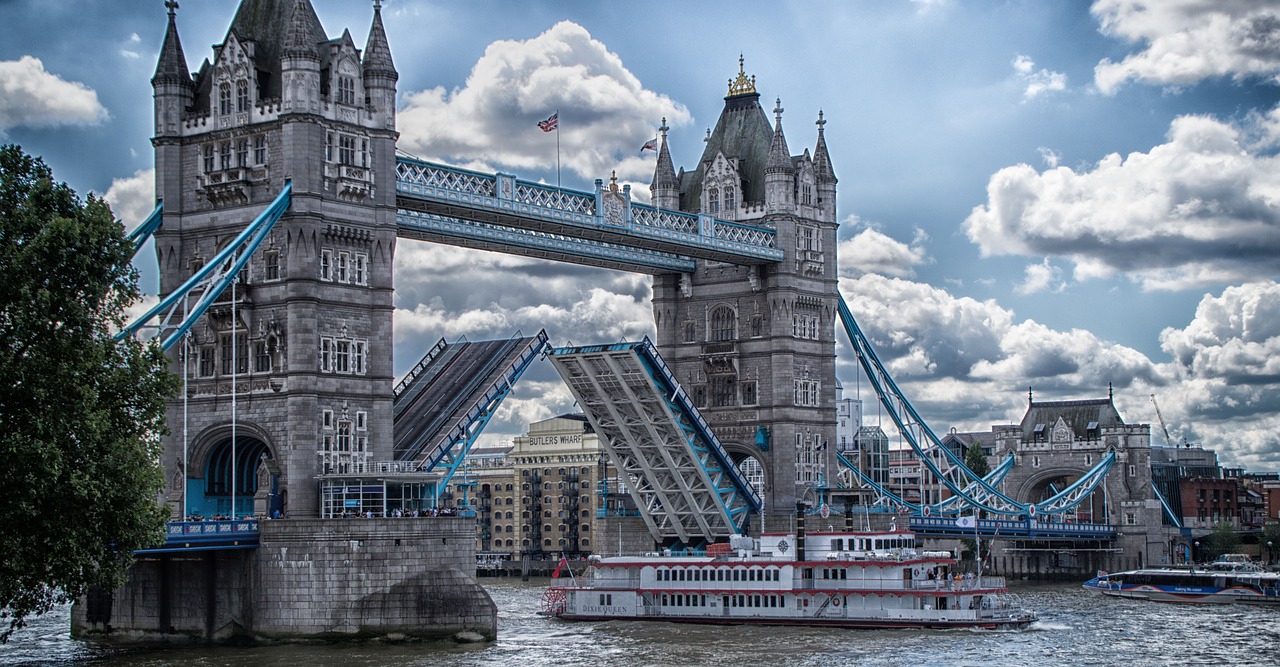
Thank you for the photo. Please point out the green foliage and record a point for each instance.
(976, 461)
(82, 414)
(1223, 540)
(1270, 533)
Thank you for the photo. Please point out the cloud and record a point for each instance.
(1037, 81)
(873, 252)
(1040, 278)
(966, 363)
(1196, 211)
(605, 112)
(1187, 41)
(32, 97)
(133, 198)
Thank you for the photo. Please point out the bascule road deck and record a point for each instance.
(441, 394)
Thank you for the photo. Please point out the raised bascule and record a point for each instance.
(282, 199)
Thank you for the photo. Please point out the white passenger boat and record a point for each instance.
(850, 579)
(1232, 578)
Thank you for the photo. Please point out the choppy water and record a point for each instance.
(1075, 628)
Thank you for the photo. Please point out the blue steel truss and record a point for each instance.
(977, 492)
(148, 227)
(679, 474)
(950, 506)
(533, 243)
(447, 455)
(504, 203)
(212, 279)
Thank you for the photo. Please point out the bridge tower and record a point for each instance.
(305, 336)
(755, 347)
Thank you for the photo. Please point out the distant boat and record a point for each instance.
(1230, 579)
(854, 579)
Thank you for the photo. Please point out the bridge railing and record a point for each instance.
(1013, 528)
(192, 531)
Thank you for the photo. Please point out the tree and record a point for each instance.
(1269, 539)
(1223, 540)
(976, 461)
(82, 413)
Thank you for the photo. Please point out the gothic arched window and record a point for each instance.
(242, 96)
(713, 200)
(730, 200)
(723, 324)
(346, 90)
(224, 98)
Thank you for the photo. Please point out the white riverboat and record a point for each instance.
(855, 579)
(1230, 579)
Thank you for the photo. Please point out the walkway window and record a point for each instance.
(723, 324)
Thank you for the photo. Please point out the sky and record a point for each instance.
(1066, 198)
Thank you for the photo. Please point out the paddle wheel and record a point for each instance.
(554, 601)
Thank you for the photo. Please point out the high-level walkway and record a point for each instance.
(603, 228)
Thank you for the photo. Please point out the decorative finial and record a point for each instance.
(377, 5)
(613, 181)
(742, 85)
(172, 5)
(663, 128)
(820, 122)
(777, 111)
(707, 138)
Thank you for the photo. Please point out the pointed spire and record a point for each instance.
(664, 174)
(299, 38)
(821, 160)
(377, 52)
(779, 156)
(172, 65)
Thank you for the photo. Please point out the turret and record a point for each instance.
(171, 84)
(380, 74)
(666, 187)
(779, 172)
(825, 174)
(300, 61)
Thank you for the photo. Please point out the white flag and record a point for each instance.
(966, 522)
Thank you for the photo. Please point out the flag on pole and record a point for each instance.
(551, 123)
(650, 145)
(564, 562)
(966, 522)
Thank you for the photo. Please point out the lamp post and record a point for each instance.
(1195, 553)
(1269, 552)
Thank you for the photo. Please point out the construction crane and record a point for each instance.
(1167, 440)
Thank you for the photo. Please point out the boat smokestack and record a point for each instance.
(800, 531)
(848, 515)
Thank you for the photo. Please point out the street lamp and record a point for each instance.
(1195, 553)
(1269, 552)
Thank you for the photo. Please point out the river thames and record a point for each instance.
(1075, 628)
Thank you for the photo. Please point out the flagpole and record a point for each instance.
(557, 150)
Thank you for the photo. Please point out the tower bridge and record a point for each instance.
(288, 374)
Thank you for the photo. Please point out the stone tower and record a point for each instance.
(301, 353)
(755, 347)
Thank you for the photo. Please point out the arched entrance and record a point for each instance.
(230, 477)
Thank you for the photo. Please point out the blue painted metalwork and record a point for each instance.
(734, 494)
(950, 506)
(207, 536)
(504, 202)
(148, 227)
(1168, 511)
(214, 277)
(449, 456)
(1025, 528)
(487, 236)
(887, 391)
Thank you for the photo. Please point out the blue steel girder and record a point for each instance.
(530, 243)
(986, 496)
(148, 227)
(211, 280)
(679, 475)
(449, 455)
(610, 217)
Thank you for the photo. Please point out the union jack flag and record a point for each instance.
(650, 145)
(550, 124)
